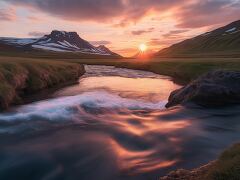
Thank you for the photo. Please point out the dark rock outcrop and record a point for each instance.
(217, 88)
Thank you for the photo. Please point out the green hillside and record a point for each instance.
(224, 41)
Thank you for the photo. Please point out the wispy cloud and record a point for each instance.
(175, 33)
(208, 12)
(37, 34)
(140, 32)
(8, 14)
(97, 43)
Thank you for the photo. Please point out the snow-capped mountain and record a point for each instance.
(59, 41)
(223, 41)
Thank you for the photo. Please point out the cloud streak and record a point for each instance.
(208, 12)
(37, 34)
(140, 32)
(97, 43)
(8, 14)
(175, 33)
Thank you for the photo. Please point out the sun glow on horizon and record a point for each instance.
(143, 47)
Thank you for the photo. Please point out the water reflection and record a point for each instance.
(133, 85)
(99, 131)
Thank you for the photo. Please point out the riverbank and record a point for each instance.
(182, 70)
(20, 77)
(225, 167)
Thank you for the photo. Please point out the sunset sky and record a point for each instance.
(119, 24)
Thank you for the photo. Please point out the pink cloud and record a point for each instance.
(37, 34)
(97, 43)
(140, 32)
(8, 14)
(208, 13)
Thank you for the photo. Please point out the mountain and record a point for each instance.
(57, 41)
(224, 41)
(103, 48)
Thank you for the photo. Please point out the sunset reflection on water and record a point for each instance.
(135, 159)
(152, 87)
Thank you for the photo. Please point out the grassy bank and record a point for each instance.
(182, 70)
(21, 76)
(227, 166)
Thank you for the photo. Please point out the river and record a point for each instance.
(112, 125)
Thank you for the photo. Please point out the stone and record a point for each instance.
(216, 88)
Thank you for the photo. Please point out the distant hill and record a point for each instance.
(56, 42)
(224, 41)
(104, 49)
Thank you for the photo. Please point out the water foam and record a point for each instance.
(53, 109)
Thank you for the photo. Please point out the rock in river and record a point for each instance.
(216, 88)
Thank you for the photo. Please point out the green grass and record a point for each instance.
(227, 166)
(21, 76)
(181, 69)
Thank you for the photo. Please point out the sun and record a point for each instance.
(143, 47)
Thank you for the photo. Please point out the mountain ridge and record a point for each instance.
(56, 41)
(222, 41)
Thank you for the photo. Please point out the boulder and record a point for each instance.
(216, 88)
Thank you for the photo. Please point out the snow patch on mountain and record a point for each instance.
(18, 41)
(235, 32)
(231, 30)
(205, 34)
(49, 48)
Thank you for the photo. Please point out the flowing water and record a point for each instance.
(112, 125)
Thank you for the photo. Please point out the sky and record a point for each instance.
(121, 25)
